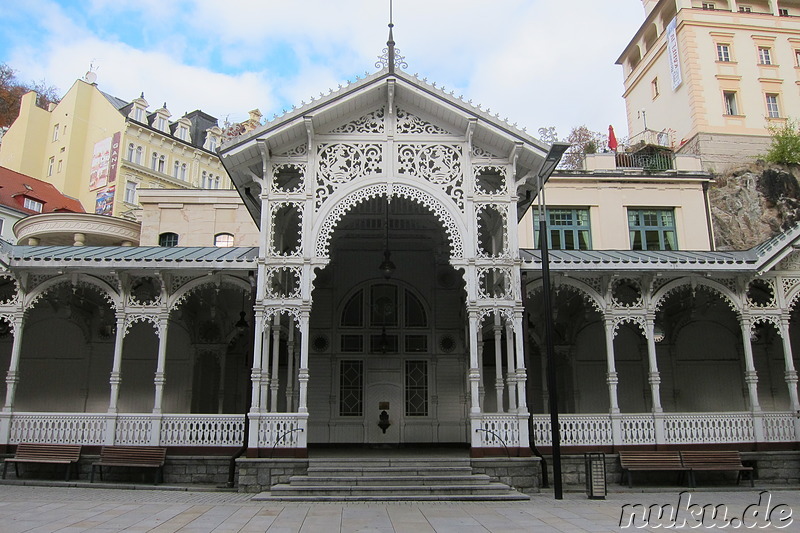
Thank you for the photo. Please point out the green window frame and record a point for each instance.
(568, 228)
(652, 229)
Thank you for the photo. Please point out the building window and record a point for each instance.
(773, 110)
(138, 114)
(139, 152)
(60, 165)
(176, 168)
(351, 388)
(723, 53)
(182, 132)
(130, 192)
(154, 161)
(216, 182)
(55, 133)
(708, 5)
(783, 12)
(652, 229)
(745, 9)
(33, 205)
(162, 124)
(50, 164)
(416, 388)
(223, 240)
(797, 58)
(131, 150)
(212, 143)
(654, 86)
(568, 229)
(162, 163)
(730, 103)
(764, 56)
(183, 171)
(168, 239)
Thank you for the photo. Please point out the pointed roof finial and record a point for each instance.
(390, 59)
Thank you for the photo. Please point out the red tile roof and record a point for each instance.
(14, 187)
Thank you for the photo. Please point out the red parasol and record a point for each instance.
(612, 139)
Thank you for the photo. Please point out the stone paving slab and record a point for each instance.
(26, 509)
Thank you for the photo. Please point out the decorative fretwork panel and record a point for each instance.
(490, 179)
(638, 429)
(499, 431)
(492, 230)
(340, 163)
(495, 282)
(9, 290)
(279, 431)
(134, 430)
(482, 153)
(704, 428)
(202, 430)
(283, 282)
(412, 124)
(373, 122)
(43, 428)
(288, 178)
(286, 229)
(439, 164)
(779, 427)
(297, 151)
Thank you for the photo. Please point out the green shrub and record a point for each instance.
(785, 147)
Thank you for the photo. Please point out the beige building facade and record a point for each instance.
(710, 78)
(102, 150)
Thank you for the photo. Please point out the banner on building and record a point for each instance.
(105, 159)
(672, 51)
(113, 161)
(104, 204)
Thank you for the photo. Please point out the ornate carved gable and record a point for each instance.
(408, 123)
(373, 122)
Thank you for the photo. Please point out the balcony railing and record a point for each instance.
(653, 162)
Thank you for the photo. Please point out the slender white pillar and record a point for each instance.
(258, 355)
(221, 359)
(116, 367)
(160, 379)
(750, 375)
(611, 369)
(654, 376)
(264, 378)
(290, 368)
(12, 376)
(481, 387)
(791, 372)
(303, 369)
(522, 375)
(474, 374)
(274, 382)
(511, 369)
(498, 364)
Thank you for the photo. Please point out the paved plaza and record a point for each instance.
(42, 509)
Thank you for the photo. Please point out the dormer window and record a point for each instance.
(183, 133)
(33, 205)
(162, 124)
(138, 114)
(212, 143)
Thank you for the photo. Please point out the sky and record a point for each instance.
(538, 62)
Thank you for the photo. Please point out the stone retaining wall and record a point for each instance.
(256, 475)
(521, 473)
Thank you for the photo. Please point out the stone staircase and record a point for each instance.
(390, 479)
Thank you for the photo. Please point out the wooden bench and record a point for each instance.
(634, 461)
(715, 461)
(132, 456)
(60, 454)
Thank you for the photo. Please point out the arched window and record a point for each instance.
(130, 152)
(176, 168)
(162, 162)
(223, 240)
(183, 171)
(139, 151)
(216, 182)
(203, 180)
(168, 239)
(154, 161)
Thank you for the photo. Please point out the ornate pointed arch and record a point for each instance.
(589, 294)
(696, 282)
(109, 293)
(175, 300)
(346, 199)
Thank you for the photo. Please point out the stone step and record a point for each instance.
(392, 478)
(391, 462)
(388, 490)
(379, 471)
(507, 497)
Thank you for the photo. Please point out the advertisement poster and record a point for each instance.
(100, 160)
(113, 161)
(104, 205)
(674, 58)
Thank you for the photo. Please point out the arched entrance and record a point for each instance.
(388, 350)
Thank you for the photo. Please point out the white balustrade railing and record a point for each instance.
(498, 431)
(280, 430)
(202, 430)
(779, 427)
(134, 430)
(697, 428)
(57, 428)
(576, 430)
(637, 429)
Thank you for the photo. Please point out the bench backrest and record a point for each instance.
(640, 459)
(134, 455)
(54, 452)
(721, 458)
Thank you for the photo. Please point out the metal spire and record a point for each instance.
(390, 59)
(390, 42)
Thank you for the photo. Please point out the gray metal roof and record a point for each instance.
(132, 256)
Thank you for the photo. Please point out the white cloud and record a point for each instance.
(538, 62)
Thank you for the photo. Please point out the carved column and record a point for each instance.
(12, 376)
(498, 364)
(522, 375)
(791, 372)
(612, 378)
(512, 368)
(290, 369)
(750, 375)
(258, 355)
(654, 376)
(274, 382)
(264, 378)
(481, 387)
(116, 367)
(303, 369)
(474, 374)
(160, 379)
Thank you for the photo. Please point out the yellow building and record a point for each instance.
(101, 149)
(708, 78)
